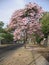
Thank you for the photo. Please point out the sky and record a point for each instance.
(7, 7)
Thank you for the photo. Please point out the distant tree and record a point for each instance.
(1, 27)
(38, 39)
(1, 30)
(4, 34)
(7, 36)
(1, 24)
(1, 38)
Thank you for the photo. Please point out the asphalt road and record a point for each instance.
(7, 51)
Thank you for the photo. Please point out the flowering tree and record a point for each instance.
(25, 22)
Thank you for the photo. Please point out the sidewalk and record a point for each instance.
(24, 56)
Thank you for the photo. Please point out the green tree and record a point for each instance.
(1, 30)
(45, 26)
(38, 39)
(1, 24)
(1, 38)
(8, 37)
(1, 27)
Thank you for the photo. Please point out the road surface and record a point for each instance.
(22, 56)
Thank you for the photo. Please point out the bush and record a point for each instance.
(38, 39)
(8, 37)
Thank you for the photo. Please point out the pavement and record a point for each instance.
(22, 56)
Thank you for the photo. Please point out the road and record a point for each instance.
(22, 56)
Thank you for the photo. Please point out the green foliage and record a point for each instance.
(4, 34)
(45, 24)
(1, 24)
(7, 36)
(1, 37)
(1, 27)
(38, 39)
(2, 30)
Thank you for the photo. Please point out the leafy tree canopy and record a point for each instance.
(45, 24)
(1, 24)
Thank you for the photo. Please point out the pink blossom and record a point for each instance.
(29, 24)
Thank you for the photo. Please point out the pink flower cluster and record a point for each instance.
(27, 20)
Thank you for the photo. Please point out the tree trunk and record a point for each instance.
(34, 40)
(0, 42)
(24, 43)
(48, 42)
(45, 41)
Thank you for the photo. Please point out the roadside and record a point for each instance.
(6, 47)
